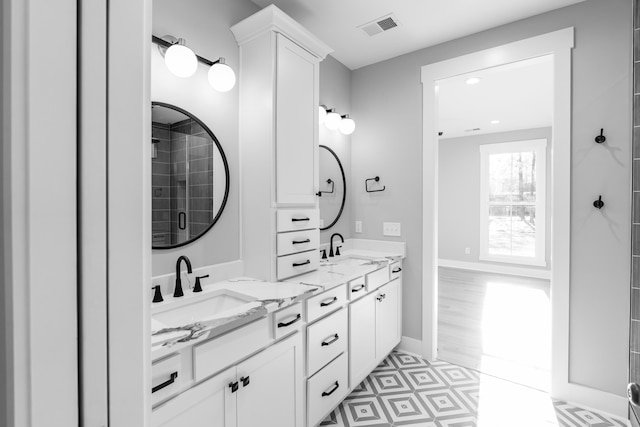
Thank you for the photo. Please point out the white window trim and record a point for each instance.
(539, 146)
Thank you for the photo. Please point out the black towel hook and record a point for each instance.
(601, 138)
(598, 203)
(376, 179)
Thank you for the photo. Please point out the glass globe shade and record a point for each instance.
(322, 114)
(221, 77)
(181, 60)
(347, 126)
(332, 121)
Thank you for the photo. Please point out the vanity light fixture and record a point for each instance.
(183, 62)
(322, 114)
(333, 120)
(347, 125)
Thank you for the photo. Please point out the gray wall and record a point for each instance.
(3, 294)
(335, 92)
(459, 192)
(204, 24)
(387, 100)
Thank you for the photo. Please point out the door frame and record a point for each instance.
(559, 44)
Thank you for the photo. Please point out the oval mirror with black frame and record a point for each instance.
(190, 177)
(333, 187)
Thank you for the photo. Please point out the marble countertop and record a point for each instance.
(173, 328)
(348, 266)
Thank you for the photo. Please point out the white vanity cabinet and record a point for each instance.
(265, 389)
(278, 84)
(375, 324)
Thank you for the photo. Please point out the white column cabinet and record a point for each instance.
(279, 78)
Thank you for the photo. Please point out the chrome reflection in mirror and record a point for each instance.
(190, 177)
(333, 187)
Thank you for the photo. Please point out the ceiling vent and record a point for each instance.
(379, 25)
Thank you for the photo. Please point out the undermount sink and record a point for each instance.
(216, 303)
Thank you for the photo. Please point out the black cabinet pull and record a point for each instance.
(299, 219)
(284, 325)
(358, 288)
(331, 341)
(299, 242)
(298, 264)
(245, 381)
(233, 386)
(381, 297)
(182, 220)
(170, 381)
(329, 393)
(324, 303)
(397, 270)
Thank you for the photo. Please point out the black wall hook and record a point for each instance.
(376, 179)
(601, 138)
(598, 203)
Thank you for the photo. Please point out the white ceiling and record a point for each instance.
(520, 95)
(422, 23)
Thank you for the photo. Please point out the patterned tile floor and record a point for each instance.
(408, 391)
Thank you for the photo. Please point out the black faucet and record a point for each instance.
(331, 243)
(177, 292)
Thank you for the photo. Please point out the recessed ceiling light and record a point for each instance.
(495, 122)
(473, 81)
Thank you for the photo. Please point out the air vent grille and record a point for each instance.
(379, 25)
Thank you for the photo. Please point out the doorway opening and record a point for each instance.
(494, 308)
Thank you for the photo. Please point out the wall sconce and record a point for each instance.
(183, 62)
(333, 120)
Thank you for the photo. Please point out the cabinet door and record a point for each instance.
(387, 318)
(271, 386)
(209, 404)
(362, 343)
(296, 115)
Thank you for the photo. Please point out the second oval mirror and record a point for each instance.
(190, 177)
(333, 187)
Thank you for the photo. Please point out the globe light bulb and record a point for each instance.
(322, 114)
(221, 76)
(332, 121)
(347, 125)
(181, 60)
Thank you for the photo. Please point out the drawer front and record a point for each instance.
(214, 355)
(298, 241)
(292, 265)
(377, 278)
(326, 339)
(166, 378)
(326, 302)
(297, 219)
(356, 288)
(287, 321)
(326, 389)
(395, 270)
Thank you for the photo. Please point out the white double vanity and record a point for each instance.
(286, 342)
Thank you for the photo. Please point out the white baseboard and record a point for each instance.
(411, 346)
(495, 268)
(591, 399)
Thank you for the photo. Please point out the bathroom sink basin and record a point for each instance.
(221, 302)
(347, 264)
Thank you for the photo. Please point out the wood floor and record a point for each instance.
(497, 324)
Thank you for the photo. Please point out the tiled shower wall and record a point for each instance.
(161, 185)
(634, 356)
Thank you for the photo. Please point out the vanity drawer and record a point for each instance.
(377, 278)
(326, 389)
(296, 219)
(214, 355)
(166, 378)
(326, 339)
(326, 302)
(356, 288)
(395, 270)
(292, 265)
(297, 241)
(287, 320)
